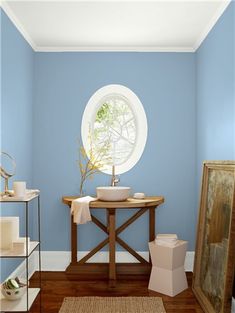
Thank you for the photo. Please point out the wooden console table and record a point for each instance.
(110, 270)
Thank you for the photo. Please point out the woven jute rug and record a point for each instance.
(112, 305)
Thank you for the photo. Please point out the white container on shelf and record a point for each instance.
(19, 245)
(9, 231)
(19, 188)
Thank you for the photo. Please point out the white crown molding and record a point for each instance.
(114, 49)
(36, 48)
(17, 24)
(211, 24)
(28, 38)
(112, 1)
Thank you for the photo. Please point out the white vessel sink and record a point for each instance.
(110, 193)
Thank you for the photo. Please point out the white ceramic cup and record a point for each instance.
(19, 188)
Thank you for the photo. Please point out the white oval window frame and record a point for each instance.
(141, 123)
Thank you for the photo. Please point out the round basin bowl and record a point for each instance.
(111, 193)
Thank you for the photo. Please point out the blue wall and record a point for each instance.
(165, 83)
(17, 64)
(216, 92)
(189, 103)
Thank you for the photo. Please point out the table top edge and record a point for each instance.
(129, 203)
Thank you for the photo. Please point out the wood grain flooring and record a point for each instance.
(56, 286)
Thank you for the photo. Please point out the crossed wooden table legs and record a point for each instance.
(113, 237)
(82, 269)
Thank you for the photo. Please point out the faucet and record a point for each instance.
(114, 179)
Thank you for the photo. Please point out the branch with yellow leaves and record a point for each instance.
(92, 161)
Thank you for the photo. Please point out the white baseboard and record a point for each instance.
(59, 260)
(189, 261)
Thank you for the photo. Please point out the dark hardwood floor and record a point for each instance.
(56, 286)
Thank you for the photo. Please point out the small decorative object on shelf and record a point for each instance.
(9, 231)
(10, 242)
(13, 289)
(19, 188)
(20, 247)
(7, 170)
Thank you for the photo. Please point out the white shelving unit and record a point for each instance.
(24, 304)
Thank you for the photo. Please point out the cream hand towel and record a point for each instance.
(80, 209)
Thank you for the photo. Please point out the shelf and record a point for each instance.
(30, 195)
(10, 253)
(21, 304)
(31, 293)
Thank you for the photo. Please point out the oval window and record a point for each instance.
(114, 128)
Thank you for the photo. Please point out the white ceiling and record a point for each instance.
(115, 25)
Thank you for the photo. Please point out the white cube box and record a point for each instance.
(168, 275)
(9, 231)
(19, 246)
